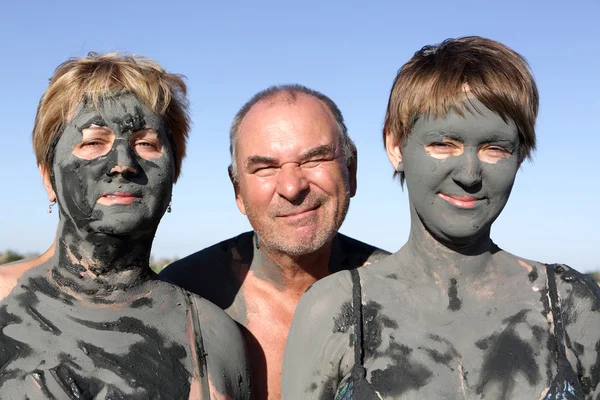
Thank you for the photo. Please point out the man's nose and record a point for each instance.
(124, 163)
(468, 172)
(291, 182)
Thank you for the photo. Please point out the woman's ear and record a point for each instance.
(45, 174)
(392, 147)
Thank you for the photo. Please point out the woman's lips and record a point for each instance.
(108, 199)
(460, 201)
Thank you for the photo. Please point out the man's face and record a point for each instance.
(293, 181)
(460, 171)
(113, 168)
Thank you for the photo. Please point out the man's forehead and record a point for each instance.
(287, 112)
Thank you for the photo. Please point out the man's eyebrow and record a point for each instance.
(258, 160)
(324, 150)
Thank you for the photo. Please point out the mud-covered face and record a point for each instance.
(113, 167)
(460, 171)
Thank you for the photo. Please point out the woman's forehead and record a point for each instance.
(115, 108)
(473, 119)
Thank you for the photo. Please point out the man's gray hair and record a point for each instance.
(289, 92)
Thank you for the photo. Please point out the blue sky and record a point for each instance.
(350, 51)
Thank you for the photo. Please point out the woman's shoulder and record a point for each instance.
(225, 350)
(12, 272)
(574, 287)
(218, 329)
(331, 287)
(579, 290)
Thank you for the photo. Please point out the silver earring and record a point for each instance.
(169, 208)
(52, 203)
(399, 166)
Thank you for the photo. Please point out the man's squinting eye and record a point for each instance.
(312, 163)
(264, 171)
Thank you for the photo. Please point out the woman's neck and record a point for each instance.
(444, 260)
(98, 267)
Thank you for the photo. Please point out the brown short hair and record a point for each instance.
(97, 75)
(433, 82)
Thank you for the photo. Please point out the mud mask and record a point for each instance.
(460, 171)
(113, 167)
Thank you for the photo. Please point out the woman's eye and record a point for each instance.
(92, 143)
(498, 150)
(145, 144)
(442, 146)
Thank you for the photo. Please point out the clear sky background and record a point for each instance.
(350, 51)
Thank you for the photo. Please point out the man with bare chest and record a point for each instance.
(294, 171)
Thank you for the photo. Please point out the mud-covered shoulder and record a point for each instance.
(213, 272)
(179, 271)
(579, 296)
(11, 273)
(578, 283)
(226, 356)
(318, 351)
(361, 253)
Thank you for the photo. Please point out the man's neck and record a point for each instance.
(293, 273)
(98, 267)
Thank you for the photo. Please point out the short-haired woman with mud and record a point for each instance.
(89, 319)
(451, 315)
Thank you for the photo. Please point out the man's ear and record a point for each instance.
(45, 174)
(394, 152)
(236, 189)
(352, 170)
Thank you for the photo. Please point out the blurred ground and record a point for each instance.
(156, 264)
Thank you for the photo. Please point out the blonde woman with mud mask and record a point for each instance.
(451, 315)
(89, 319)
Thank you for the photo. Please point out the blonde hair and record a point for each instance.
(434, 80)
(95, 76)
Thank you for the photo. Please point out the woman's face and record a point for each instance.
(460, 171)
(113, 168)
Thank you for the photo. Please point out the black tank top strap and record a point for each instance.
(199, 362)
(358, 371)
(566, 384)
(559, 330)
(357, 387)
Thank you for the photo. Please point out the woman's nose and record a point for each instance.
(468, 173)
(123, 160)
